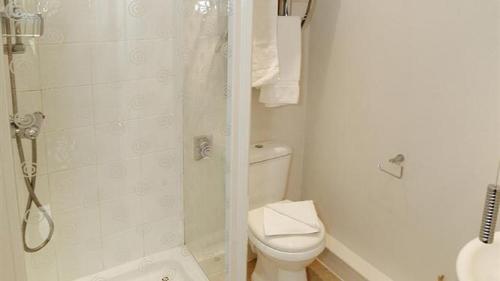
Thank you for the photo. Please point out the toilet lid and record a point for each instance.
(285, 243)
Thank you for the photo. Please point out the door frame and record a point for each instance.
(239, 66)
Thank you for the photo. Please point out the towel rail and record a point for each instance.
(285, 9)
(398, 162)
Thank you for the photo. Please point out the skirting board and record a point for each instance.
(347, 264)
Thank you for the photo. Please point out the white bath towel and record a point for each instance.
(265, 64)
(290, 218)
(285, 89)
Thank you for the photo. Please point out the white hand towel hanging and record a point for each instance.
(265, 64)
(290, 218)
(285, 89)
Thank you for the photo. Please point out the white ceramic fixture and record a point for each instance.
(284, 257)
(479, 262)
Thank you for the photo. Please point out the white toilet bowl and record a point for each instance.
(284, 257)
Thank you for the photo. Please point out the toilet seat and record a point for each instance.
(284, 247)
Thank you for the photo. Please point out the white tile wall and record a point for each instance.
(67, 107)
(65, 65)
(123, 246)
(110, 160)
(71, 148)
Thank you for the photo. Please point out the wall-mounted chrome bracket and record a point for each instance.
(398, 161)
(17, 23)
(26, 24)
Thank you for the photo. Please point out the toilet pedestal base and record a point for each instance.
(269, 269)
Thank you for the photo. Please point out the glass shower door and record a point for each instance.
(205, 123)
(112, 103)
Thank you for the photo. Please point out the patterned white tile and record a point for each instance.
(131, 60)
(164, 132)
(29, 101)
(133, 99)
(150, 19)
(163, 235)
(67, 108)
(65, 65)
(162, 204)
(120, 214)
(80, 259)
(162, 170)
(110, 156)
(120, 140)
(72, 148)
(119, 178)
(27, 68)
(28, 167)
(121, 247)
(42, 265)
(71, 21)
(109, 21)
(81, 224)
(37, 228)
(74, 189)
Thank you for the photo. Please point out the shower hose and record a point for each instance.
(29, 171)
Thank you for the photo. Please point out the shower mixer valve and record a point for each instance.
(27, 126)
(202, 147)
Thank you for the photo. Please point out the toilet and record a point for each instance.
(284, 257)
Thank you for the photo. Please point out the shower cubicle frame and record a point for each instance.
(239, 80)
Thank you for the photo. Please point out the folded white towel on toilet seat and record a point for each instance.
(290, 218)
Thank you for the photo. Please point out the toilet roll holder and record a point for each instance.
(398, 161)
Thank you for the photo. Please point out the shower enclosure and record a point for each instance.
(114, 138)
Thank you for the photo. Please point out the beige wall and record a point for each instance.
(412, 77)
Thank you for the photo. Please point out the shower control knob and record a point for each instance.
(205, 149)
(202, 147)
(24, 121)
(32, 132)
(27, 125)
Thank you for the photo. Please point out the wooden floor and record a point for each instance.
(315, 272)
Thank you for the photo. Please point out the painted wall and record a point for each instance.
(107, 76)
(414, 77)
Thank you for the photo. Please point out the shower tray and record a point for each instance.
(176, 264)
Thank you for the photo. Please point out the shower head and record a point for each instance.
(490, 214)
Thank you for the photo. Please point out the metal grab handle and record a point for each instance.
(398, 161)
